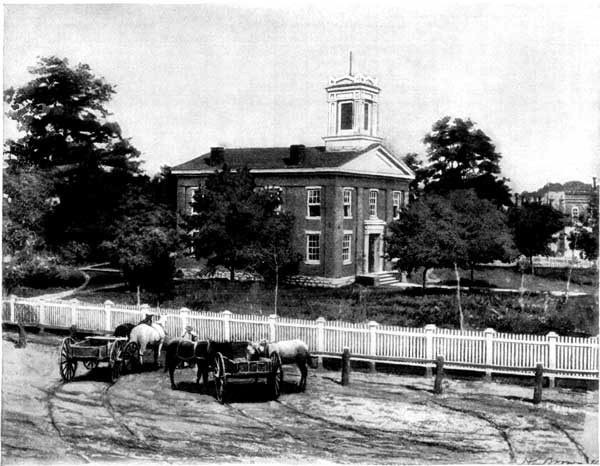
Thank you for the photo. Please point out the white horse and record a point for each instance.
(290, 352)
(154, 335)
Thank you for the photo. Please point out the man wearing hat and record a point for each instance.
(189, 334)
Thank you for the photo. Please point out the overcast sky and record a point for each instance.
(242, 75)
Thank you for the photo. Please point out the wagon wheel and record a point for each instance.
(130, 356)
(220, 378)
(66, 364)
(276, 378)
(115, 362)
(90, 364)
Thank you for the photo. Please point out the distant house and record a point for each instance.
(342, 194)
(571, 198)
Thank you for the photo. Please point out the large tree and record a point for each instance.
(461, 156)
(459, 230)
(533, 226)
(144, 244)
(230, 214)
(64, 129)
(274, 256)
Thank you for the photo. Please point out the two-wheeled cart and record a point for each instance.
(116, 351)
(229, 369)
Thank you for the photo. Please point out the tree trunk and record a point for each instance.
(276, 289)
(462, 319)
(232, 274)
(568, 282)
(472, 273)
(531, 262)
(138, 296)
(424, 277)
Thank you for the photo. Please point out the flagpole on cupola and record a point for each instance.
(350, 72)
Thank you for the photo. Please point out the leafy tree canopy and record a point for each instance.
(26, 205)
(144, 242)
(460, 228)
(461, 156)
(62, 116)
(65, 133)
(533, 226)
(235, 221)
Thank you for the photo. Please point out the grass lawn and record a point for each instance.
(534, 313)
(582, 280)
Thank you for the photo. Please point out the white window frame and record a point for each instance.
(348, 260)
(193, 190)
(371, 197)
(309, 189)
(575, 212)
(396, 203)
(348, 203)
(308, 234)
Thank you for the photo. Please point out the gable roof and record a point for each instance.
(314, 159)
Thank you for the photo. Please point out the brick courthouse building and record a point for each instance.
(342, 194)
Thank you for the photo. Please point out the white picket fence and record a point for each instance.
(484, 351)
(563, 262)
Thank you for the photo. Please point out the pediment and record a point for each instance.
(378, 161)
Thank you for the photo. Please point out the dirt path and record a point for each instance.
(378, 419)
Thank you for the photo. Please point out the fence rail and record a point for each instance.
(563, 262)
(485, 351)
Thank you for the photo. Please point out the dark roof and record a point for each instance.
(275, 157)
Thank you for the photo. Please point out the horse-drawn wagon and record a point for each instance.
(229, 361)
(235, 366)
(116, 351)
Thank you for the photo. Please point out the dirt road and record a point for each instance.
(377, 419)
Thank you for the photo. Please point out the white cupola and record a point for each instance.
(353, 112)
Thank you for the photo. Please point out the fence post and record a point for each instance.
(226, 327)
(373, 343)
(12, 299)
(272, 329)
(439, 375)
(346, 366)
(184, 313)
(42, 315)
(74, 316)
(320, 339)
(552, 339)
(144, 310)
(108, 304)
(539, 380)
(429, 329)
(489, 356)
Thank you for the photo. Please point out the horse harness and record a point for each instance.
(193, 356)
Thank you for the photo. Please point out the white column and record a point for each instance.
(380, 259)
(366, 253)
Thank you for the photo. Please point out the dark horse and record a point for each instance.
(123, 330)
(200, 352)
